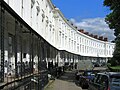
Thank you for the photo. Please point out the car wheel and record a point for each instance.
(84, 86)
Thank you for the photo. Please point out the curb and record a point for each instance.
(49, 83)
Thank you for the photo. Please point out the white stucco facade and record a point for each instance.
(50, 23)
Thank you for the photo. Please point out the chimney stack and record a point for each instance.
(101, 38)
(106, 39)
(95, 36)
(81, 30)
(87, 33)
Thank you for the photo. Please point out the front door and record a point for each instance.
(11, 55)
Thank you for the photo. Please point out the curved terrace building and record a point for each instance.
(36, 39)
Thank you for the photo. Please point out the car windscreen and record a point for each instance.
(115, 82)
(115, 78)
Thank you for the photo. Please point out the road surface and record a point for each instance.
(65, 82)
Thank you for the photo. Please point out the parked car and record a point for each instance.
(105, 81)
(78, 74)
(85, 78)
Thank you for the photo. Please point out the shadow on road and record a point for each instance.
(68, 76)
(66, 82)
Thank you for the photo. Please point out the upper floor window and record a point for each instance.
(32, 3)
(43, 15)
(38, 9)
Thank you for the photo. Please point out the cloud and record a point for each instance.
(95, 26)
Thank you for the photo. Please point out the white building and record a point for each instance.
(50, 23)
(26, 20)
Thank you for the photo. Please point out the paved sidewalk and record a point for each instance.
(65, 82)
(62, 85)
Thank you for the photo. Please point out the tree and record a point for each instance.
(113, 20)
(116, 55)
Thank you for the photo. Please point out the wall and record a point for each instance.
(50, 23)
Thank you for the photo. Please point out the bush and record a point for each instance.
(108, 64)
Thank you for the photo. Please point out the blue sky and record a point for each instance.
(80, 9)
(86, 14)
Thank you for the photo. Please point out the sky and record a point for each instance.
(87, 14)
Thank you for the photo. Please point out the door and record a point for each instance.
(11, 55)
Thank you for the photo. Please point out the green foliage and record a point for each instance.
(113, 62)
(115, 67)
(116, 54)
(108, 64)
(113, 20)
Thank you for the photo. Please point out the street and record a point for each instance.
(65, 82)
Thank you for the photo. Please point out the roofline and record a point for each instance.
(60, 13)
